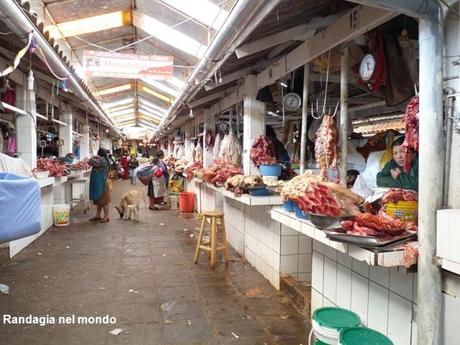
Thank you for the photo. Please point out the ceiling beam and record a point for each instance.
(301, 32)
(344, 29)
(211, 97)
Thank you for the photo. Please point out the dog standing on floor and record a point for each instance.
(129, 206)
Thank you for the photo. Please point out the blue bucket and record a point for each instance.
(298, 212)
(289, 205)
(270, 170)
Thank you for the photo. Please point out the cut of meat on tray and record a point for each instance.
(395, 195)
(263, 151)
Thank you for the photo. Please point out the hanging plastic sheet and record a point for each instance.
(20, 204)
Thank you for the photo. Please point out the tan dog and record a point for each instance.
(129, 206)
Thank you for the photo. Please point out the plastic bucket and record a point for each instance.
(404, 210)
(186, 202)
(328, 322)
(298, 212)
(289, 205)
(61, 215)
(362, 335)
(270, 170)
(174, 201)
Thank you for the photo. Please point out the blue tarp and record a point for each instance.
(20, 210)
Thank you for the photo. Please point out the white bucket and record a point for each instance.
(61, 215)
(174, 201)
(325, 334)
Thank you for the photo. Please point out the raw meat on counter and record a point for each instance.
(326, 145)
(239, 183)
(411, 141)
(54, 167)
(367, 224)
(192, 169)
(263, 151)
(329, 199)
(299, 185)
(395, 195)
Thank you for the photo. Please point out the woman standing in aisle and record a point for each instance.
(133, 164)
(157, 188)
(99, 186)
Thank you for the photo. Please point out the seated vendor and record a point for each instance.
(282, 155)
(393, 175)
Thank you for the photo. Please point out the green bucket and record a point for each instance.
(328, 322)
(363, 336)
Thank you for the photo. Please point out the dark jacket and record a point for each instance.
(405, 181)
(133, 163)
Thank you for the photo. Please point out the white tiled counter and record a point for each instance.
(211, 198)
(273, 249)
(46, 201)
(371, 284)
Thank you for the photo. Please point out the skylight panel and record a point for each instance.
(118, 103)
(168, 35)
(152, 105)
(90, 24)
(115, 89)
(203, 11)
(160, 86)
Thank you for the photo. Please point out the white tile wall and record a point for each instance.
(305, 244)
(304, 277)
(344, 259)
(360, 296)
(316, 300)
(290, 244)
(380, 275)
(289, 264)
(401, 282)
(378, 308)
(317, 272)
(399, 320)
(330, 280)
(343, 287)
(360, 267)
(304, 263)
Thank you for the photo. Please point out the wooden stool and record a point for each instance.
(213, 246)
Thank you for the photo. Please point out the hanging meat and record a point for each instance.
(326, 146)
(230, 150)
(411, 140)
(263, 151)
(216, 148)
(209, 140)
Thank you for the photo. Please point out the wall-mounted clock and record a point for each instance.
(292, 101)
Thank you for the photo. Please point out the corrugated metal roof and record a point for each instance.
(396, 124)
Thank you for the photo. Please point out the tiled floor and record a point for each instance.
(142, 275)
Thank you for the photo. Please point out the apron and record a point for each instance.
(159, 188)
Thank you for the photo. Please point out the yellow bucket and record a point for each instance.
(61, 215)
(404, 210)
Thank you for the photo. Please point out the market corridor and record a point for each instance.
(142, 275)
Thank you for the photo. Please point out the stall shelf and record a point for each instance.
(45, 182)
(254, 200)
(388, 258)
(373, 285)
(210, 197)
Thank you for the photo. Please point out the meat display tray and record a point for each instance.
(340, 235)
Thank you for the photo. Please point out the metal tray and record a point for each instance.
(326, 222)
(338, 235)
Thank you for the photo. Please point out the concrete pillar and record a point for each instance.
(26, 134)
(84, 143)
(209, 124)
(65, 132)
(254, 122)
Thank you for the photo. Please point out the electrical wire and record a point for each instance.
(47, 65)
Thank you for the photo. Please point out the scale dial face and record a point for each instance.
(367, 67)
(292, 101)
(223, 126)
